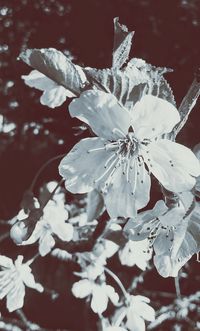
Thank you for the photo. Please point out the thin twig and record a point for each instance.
(52, 193)
(42, 168)
(117, 280)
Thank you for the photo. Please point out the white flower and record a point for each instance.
(173, 233)
(53, 222)
(13, 278)
(93, 262)
(54, 95)
(135, 313)
(128, 142)
(100, 293)
(135, 253)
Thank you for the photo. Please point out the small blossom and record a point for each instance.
(13, 278)
(53, 222)
(100, 294)
(93, 262)
(135, 253)
(173, 233)
(54, 95)
(128, 143)
(135, 313)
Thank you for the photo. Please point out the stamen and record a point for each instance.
(114, 144)
(107, 170)
(134, 178)
(116, 130)
(127, 170)
(96, 149)
(109, 159)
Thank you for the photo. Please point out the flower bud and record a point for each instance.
(23, 229)
(19, 232)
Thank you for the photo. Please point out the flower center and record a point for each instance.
(128, 147)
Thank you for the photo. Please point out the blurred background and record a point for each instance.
(167, 34)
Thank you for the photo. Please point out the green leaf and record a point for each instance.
(157, 85)
(122, 44)
(56, 66)
(127, 90)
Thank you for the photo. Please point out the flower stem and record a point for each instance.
(42, 168)
(177, 286)
(33, 259)
(187, 104)
(52, 193)
(29, 325)
(117, 280)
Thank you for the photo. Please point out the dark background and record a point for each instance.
(167, 34)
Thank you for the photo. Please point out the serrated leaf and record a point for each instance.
(56, 66)
(163, 90)
(126, 89)
(122, 44)
(156, 84)
(95, 205)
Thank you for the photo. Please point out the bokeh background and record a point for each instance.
(167, 34)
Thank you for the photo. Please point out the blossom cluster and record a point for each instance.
(131, 112)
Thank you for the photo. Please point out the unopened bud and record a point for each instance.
(19, 232)
(23, 229)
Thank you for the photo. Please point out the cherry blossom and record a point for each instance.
(135, 253)
(135, 313)
(54, 95)
(13, 278)
(100, 294)
(128, 143)
(53, 222)
(173, 233)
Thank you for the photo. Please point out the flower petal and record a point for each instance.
(55, 97)
(46, 243)
(99, 300)
(112, 294)
(80, 168)
(6, 262)
(15, 297)
(172, 164)
(29, 280)
(103, 114)
(139, 228)
(140, 304)
(36, 234)
(128, 191)
(169, 263)
(118, 198)
(153, 116)
(135, 253)
(39, 81)
(134, 321)
(63, 230)
(82, 288)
